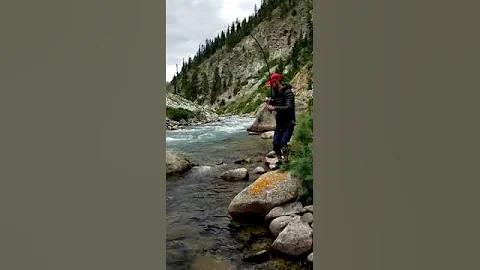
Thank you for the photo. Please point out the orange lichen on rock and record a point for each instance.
(266, 181)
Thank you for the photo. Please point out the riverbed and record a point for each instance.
(199, 227)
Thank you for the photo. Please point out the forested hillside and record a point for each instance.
(228, 71)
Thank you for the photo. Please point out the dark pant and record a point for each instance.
(281, 137)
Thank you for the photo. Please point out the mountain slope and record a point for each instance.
(231, 78)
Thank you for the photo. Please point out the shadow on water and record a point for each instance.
(200, 234)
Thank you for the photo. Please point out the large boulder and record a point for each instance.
(296, 239)
(235, 175)
(264, 121)
(177, 162)
(271, 189)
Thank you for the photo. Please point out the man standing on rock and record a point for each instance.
(283, 103)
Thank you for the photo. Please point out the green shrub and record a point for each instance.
(252, 106)
(301, 161)
(176, 114)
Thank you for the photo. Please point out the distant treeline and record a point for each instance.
(199, 84)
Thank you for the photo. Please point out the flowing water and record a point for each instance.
(199, 228)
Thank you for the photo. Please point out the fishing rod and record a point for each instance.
(268, 68)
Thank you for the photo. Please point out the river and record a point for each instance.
(199, 228)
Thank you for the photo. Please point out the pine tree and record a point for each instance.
(205, 85)
(216, 86)
(192, 91)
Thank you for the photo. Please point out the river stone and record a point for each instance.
(271, 154)
(296, 239)
(264, 121)
(308, 217)
(279, 223)
(268, 191)
(267, 135)
(235, 175)
(308, 208)
(259, 170)
(284, 210)
(177, 162)
(271, 161)
(310, 258)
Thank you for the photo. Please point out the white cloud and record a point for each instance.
(190, 22)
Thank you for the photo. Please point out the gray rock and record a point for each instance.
(177, 162)
(310, 258)
(235, 175)
(308, 208)
(284, 210)
(271, 154)
(268, 191)
(296, 239)
(265, 120)
(267, 135)
(308, 217)
(271, 161)
(259, 170)
(279, 223)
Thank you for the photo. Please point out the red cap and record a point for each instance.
(274, 77)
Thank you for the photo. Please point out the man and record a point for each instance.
(283, 103)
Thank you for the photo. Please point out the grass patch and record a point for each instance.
(176, 114)
(301, 161)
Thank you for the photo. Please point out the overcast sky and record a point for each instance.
(191, 22)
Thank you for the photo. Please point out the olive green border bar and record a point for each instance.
(82, 182)
(396, 135)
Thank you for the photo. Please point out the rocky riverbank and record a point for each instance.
(182, 112)
(265, 216)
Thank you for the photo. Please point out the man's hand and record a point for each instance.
(270, 107)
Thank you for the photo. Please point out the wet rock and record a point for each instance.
(278, 224)
(235, 175)
(296, 239)
(177, 162)
(259, 170)
(271, 162)
(284, 210)
(308, 217)
(257, 257)
(268, 191)
(271, 154)
(267, 135)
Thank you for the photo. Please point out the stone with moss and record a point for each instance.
(271, 189)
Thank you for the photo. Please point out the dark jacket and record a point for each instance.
(284, 103)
